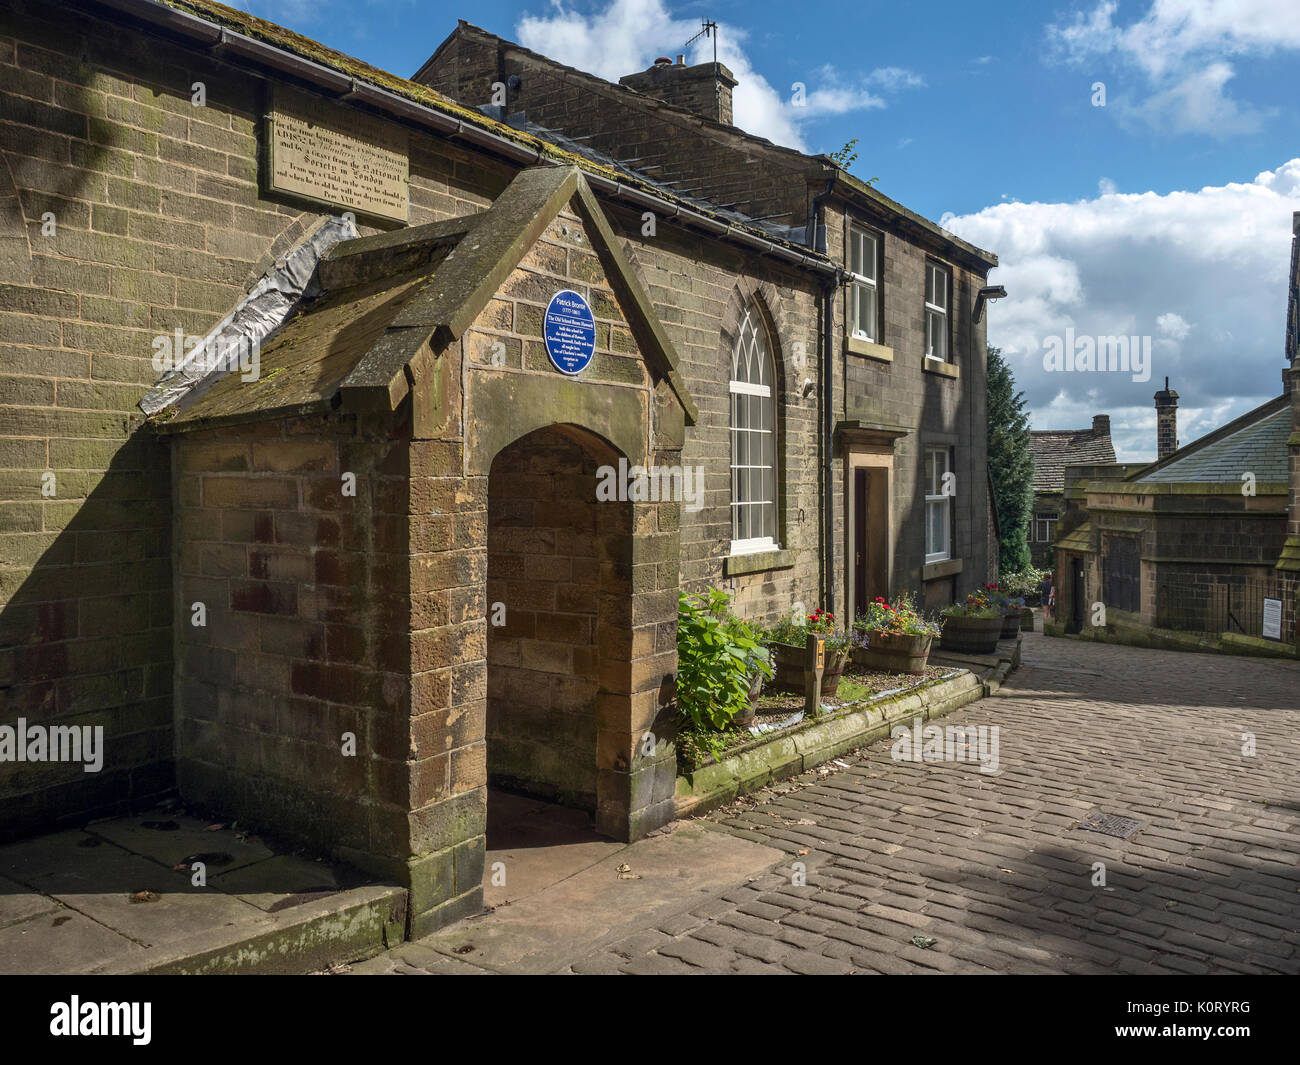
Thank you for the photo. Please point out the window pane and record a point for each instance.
(936, 530)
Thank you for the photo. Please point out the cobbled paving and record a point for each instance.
(990, 870)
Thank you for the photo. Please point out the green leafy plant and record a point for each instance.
(900, 617)
(847, 155)
(718, 656)
(1024, 584)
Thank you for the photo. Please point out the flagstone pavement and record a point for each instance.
(922, 867)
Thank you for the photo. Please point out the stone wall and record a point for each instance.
(159, 224)
(292, 631)
(552, 562)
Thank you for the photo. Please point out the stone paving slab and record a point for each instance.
(107, 899)
(190, 837)
(63, 942)
(17, 904)
(671, 870)
(278, 882)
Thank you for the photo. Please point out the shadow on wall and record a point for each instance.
(86, 638)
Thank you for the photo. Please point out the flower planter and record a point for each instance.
(1011, 624)
(972, 636)
(894, 652)
(788, 662)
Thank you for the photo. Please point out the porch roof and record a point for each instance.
(382, 302)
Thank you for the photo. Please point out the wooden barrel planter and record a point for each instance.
(894, 652)
(788, 662)
(972, 636)
(1011, 624)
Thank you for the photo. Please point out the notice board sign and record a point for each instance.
(1272, 619)
(332, 155)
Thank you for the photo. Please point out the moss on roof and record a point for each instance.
(304, 363)
(306, 48)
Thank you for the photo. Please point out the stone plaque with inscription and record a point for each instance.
(332, 155)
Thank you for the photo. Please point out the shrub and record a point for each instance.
(1024, 584)
(717, 657)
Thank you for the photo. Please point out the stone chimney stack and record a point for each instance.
(1166, 421)
(704, 88)
(1101, 424)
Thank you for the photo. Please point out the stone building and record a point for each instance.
(1204, 540)
(377, 426)
(905, 332)
(1053, 450)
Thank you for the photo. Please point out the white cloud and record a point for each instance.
(1182, 48)
(1173, 326)
(627, 36)
(1202, 272)
(892, 79)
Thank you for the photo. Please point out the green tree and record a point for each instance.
(1011, 464)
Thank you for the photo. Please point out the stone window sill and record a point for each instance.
(944, 369)
(867, 349)
(756, 562)
(934, 570)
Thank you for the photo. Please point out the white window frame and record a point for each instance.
(938, 311)
(859, 280)
(1045, 527)
(935, 496)
(752, 346)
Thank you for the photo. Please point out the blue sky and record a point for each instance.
(1164, 213)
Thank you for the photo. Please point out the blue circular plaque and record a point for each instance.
(570, 332)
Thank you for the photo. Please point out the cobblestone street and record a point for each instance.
(990, 871)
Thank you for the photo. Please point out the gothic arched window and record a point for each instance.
(753, 437)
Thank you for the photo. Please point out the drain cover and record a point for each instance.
(1110, 825)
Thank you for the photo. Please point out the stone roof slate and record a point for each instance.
(1257, 446)
(1054, 449)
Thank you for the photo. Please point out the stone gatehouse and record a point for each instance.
(345, 582)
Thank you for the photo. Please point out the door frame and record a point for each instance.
(877, 461)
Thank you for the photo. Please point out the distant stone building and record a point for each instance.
(1053, 450)
(1206, 539)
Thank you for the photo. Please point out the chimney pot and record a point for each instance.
(1101, 423)
(1166, 421)
(704, 88)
